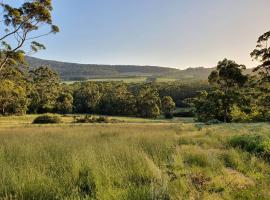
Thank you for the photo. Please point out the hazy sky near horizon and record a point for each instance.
(173, 33)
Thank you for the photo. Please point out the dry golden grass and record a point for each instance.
(130, 161)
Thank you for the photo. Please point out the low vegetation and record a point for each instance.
(258, 144)
(132, 161)
(93, 119)
(47, 119)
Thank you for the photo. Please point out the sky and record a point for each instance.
(171, 33)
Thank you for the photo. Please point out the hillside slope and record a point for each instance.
(74, 71)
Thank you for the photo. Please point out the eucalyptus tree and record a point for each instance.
(168, 104)
(228, 78)
(20, 26)
(86, 97)
(148, 103)
(262, 54)
(228, 81)
(45, 89)
(13, 98)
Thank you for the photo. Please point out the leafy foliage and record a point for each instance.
(168, 104)
(258, 144)
(19, 25)
(262, 54)
(231, 98)
(45, 89)
(13, 99)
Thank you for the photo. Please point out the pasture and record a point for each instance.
(125, 80)
(150, 160)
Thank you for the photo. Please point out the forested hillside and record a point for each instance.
(74, 71)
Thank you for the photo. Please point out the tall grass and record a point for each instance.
(130, 161)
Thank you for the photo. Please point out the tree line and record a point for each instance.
(237, 97)
(40, 91)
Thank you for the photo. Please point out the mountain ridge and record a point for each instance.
(76, 71)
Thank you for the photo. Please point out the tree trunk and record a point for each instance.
(225, 115)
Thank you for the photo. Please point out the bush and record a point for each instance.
(102, 120)
(258, 144)
(90, 119)
(47, 119)
(85, 119)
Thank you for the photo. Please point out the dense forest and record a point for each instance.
(41, 91)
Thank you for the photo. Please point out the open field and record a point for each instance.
(130, 161)
(26, 120)
(125, 80)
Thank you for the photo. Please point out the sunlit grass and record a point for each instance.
(26, 120)
(130, 161)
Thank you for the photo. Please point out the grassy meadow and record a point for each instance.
(130, 161)
(26, 120)
(126, 80)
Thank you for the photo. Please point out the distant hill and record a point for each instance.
(198, 73)
(74, 71)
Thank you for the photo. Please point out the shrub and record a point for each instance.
(90, 119)
(85, 119)
(47, 119)
(258, 144)
(102, 120)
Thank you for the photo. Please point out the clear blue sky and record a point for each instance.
(175, 33)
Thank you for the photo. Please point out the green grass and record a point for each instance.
(26, 120)
(126, 79)
(130, 161)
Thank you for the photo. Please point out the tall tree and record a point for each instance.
(168, 104)
(86, 98)
(262, 87)
(64, 102)
(228, 81)
(117, 100)
(262, 54)
(20, 26)
(45, 91)
(148, 102)
(13, 98)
